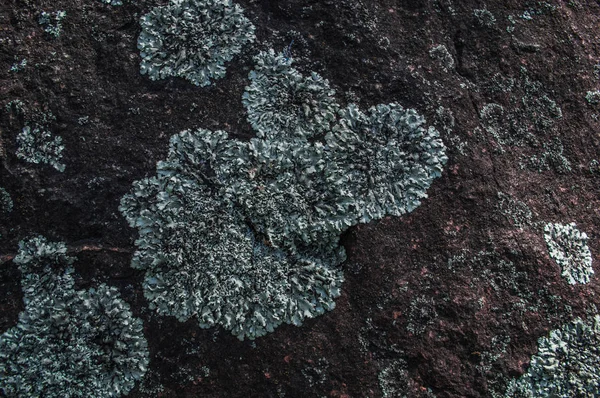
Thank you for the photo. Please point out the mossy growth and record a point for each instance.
(192, 39)
(568, 247)
(246, 234)
(68, 343)
(567, 364)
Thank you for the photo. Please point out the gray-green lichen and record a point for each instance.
(204, 256)
(484, 17)
(528, 120)
(566, 365)
(292, 193)
(568, 247)
(68, 343)
(52, 22)
(441, 53)
(38, 145)
(192, 39)
(515, 211)
(389, 157)
(246, 234)
(395, 382)
(283, 104)
(6, 203)
(593, 97)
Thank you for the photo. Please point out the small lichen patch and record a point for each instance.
(568, 247)
(441, 53)
(192, 39)
(6, 203)
(52, 22)
(395, 382)
(280, 100)
(38, 145)
(593, 97)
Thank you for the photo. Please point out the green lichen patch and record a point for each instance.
(38, 145)
(192, 39)
(515, 211)
(395, 382)
(203, 257)
(568, 247)
(283, 104)
(567, 364)
(390, 159)
(52, 22)
(529, 119)
(68, 343)
(293, 194)
(6, 203)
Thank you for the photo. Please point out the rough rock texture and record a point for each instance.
(457, 292)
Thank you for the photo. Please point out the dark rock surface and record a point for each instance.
(460, 289)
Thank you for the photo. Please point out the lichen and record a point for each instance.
(68, 343)
(6, 203)
(52, 22)
(283, 104)
(567, 364)
(204, 257)
(192, 39)
(395, 382)
(568, 247)
(38, 145)
(245, 234)
(441, 53)
(390, 159)
(293, 194)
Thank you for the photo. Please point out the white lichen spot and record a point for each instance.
(568, 247)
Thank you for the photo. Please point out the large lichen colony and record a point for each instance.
(68, 343)
(246, 234)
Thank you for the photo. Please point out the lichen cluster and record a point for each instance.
(68, 343)
(567, 364)
(282, 104)
(568, 247)
(206, 253)
(38, 145)
(246, 234)
(52, 22)
(192, 39)
(6, 203)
